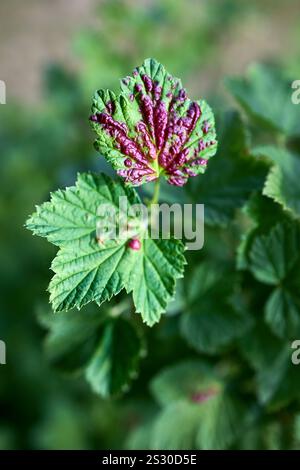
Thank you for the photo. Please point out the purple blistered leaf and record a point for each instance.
(152, 129)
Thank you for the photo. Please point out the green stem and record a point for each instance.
(155, 197)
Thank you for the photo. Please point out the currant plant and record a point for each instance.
(218, 365)
(150, 131)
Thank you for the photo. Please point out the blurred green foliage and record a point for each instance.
(218, 371)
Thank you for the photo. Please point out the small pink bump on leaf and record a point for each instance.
(134, 244)
(199, 397)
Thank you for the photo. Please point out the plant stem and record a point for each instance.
(155, 197)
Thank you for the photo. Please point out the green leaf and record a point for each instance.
(231, 177)
(176, 427)
(199, 410)
(276, 155)
(265, 94)
(211, 330)
(108, 350)
(115, 362)
(282, 183)
(279, 382)
(140, 437)
(71, 216)
(268, 435)
(259, 346)
(183, 381)
(210, 321)
(261, 214)
(282, 312)
(88, 269)
(153, 276)
(72, 337)
(273, 255)
(276, 377)
(92, 274)
(223, 419)
(272, 261)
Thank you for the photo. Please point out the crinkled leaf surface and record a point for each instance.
(152, 279)
(152, 128)
(70, 219)
(88, 269)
